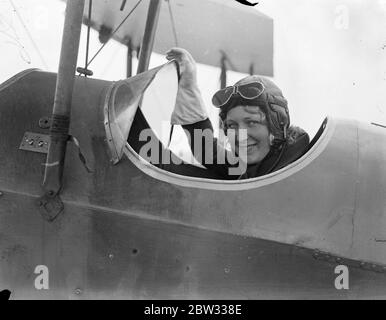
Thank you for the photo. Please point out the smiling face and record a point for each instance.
(255, 144)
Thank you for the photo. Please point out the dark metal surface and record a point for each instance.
(97, 253)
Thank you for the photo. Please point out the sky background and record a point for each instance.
(329, 55)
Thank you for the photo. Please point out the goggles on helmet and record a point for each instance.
(248, 91)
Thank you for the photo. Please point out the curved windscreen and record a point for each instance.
(154, 91)
(159, 100)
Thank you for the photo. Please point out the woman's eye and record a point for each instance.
(252, 123)
(231, 126)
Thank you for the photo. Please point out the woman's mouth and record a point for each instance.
(248, 149)
(252, 147)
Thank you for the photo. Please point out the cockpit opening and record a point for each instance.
(138, 112)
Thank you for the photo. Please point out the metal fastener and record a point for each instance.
(44, 123)
(78, 291)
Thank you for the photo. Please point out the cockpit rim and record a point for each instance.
(317, 147)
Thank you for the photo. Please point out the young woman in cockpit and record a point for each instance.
(254, 116)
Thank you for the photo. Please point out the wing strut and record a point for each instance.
(251, 69)
(223, 75)
(61, 114)
(148, 38)
(129, 63)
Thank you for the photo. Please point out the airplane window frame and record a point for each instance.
(317, 146)
(155, 172)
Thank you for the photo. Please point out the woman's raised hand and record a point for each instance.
(186, 62)
(189, 107)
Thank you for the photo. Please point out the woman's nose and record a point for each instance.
(242, 134)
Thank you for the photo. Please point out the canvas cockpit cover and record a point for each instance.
(154, 92)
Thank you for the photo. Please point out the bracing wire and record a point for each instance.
(84, 71)
(176, 44)
(114, 32)
(29, 34)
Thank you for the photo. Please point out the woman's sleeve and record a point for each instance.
(206, 148)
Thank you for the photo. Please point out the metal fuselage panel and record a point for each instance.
(124, 234)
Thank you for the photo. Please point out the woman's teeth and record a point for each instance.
(251, 147)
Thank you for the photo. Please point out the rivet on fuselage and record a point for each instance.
(78, 291)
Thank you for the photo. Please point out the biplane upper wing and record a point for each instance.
(206, 28)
